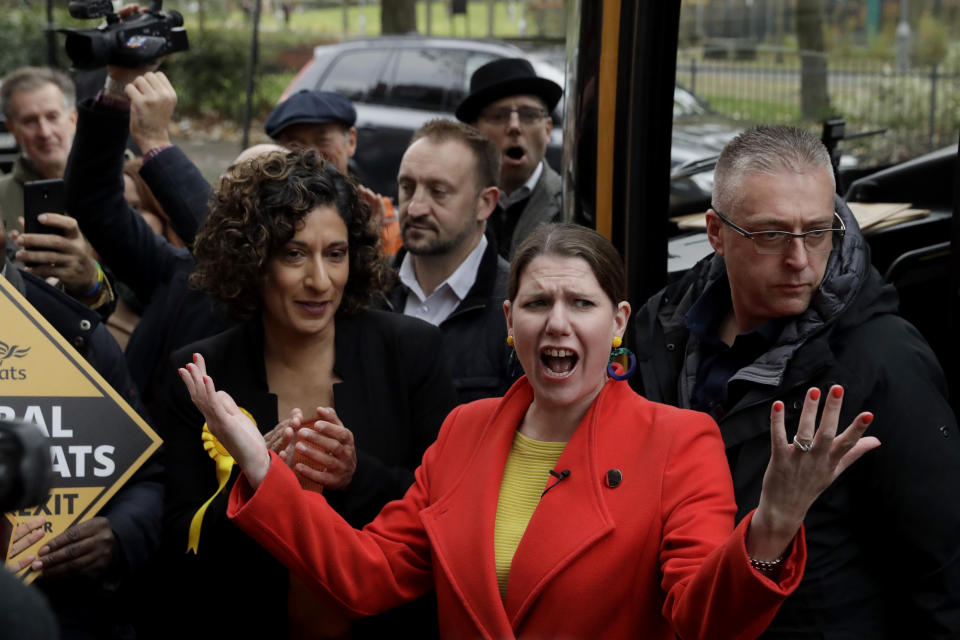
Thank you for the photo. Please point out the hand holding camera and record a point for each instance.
(128, 39)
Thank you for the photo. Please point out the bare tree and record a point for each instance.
(814, 99)
(398, 16)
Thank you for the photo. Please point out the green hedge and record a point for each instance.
(23, 39)
(211, 78)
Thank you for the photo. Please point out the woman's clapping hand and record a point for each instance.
(325, 451)
(280, 438)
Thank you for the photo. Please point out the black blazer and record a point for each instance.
(394, 393)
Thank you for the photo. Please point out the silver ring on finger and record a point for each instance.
(803, 445)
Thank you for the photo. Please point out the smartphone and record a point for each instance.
(42, 196)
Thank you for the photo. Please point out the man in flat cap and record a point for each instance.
(512, 106)
(324, 121)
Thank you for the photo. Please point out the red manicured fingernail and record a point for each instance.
(778, 406)
(194, 357)
(815, 393)
(868, 418)
(206, 378)
(837, 391)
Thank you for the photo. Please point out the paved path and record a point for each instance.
(212, 156)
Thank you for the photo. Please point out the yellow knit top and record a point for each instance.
(526, 475)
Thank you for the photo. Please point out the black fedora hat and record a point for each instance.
(502, 78)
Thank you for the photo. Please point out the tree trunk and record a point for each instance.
(814, 99)
(398, 16)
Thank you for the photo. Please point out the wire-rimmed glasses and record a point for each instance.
(526, 115)
(775, 242)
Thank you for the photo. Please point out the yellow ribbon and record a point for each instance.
(224, 462)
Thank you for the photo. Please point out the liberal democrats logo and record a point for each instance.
(12, 351)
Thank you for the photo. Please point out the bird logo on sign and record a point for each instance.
(12, 351)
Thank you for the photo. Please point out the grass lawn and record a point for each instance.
(754, 110)
(364, 20)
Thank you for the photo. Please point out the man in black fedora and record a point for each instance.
(512, 106)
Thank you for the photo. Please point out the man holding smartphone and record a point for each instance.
(38, 104)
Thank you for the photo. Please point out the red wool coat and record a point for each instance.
(653, 556)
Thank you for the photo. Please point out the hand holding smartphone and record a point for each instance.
(42, 196)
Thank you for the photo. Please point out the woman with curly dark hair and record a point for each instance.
(290, 250)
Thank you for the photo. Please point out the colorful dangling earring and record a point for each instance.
(514, 370)
(615, 352)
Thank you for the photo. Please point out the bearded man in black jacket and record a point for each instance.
(449, 271)
(788, 303)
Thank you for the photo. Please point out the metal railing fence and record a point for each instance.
(920, 108)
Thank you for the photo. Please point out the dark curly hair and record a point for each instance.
(260, 205)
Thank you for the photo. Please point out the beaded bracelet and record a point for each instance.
(766, 566)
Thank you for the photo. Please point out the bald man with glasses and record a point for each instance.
(789, 308)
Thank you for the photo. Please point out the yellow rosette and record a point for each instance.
(224, 462)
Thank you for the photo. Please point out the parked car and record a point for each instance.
(699, 135)
(397, 83)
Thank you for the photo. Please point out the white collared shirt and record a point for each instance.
(436, 307)
(525, 189)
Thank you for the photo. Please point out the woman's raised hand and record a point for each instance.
(235, 431)
(327, 452)
(799, 471)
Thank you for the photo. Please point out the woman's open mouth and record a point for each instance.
(558, 363)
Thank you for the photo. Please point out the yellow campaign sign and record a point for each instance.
(97, 441)
(26, 356)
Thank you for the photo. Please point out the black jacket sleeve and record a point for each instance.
(94, 185)
(907, 485)
(180, 189)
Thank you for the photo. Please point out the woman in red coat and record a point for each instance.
(569, 508)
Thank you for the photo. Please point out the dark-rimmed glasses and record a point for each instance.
(775, 242)
(526, 115)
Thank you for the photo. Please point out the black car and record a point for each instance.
(699, 135)
(399, 83)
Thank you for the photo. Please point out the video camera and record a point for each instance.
(135, 41)
(25, 474)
